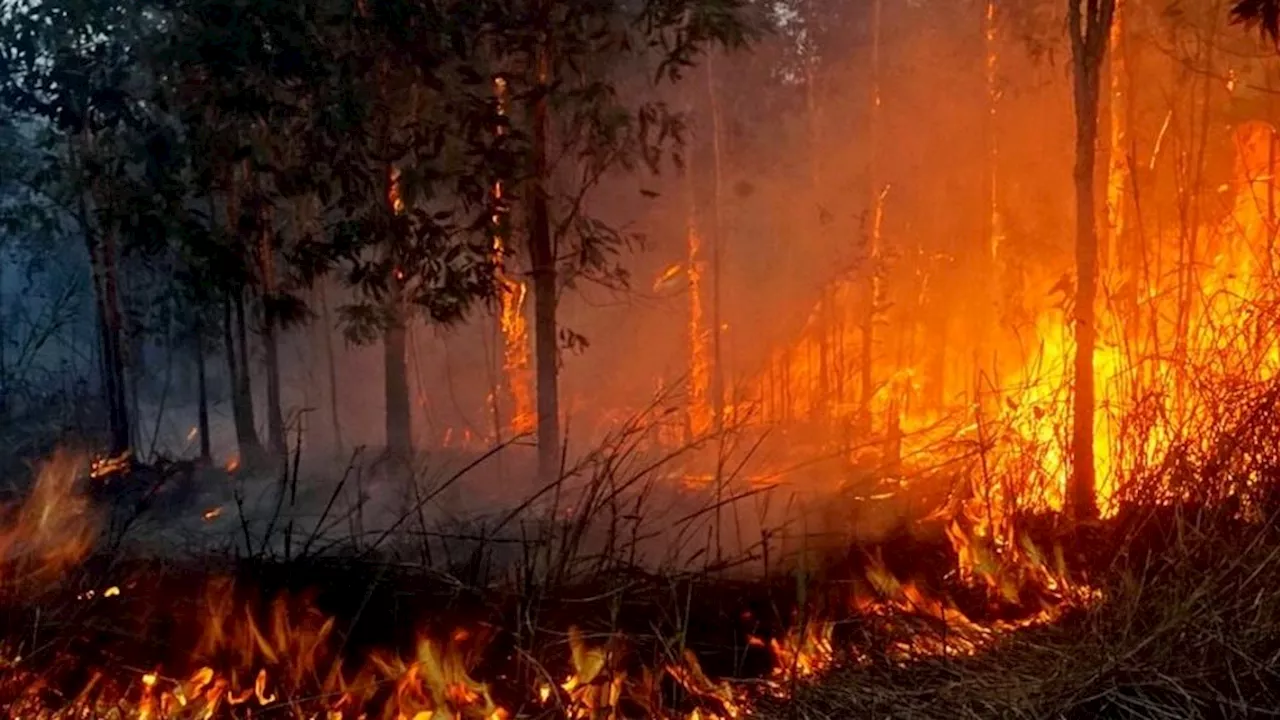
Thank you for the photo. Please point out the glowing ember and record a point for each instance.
(667, 276)
(106, 466)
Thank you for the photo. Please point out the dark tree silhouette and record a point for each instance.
(1264, 15)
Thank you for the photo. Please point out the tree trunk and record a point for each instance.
(1090, 32)
(399, 419)
(132, 360)
(542, 255)
(233, 329)
(717, 253)
(102, 259)
(242, 387)
(989, 315)
(113, 381)
(698, 418)
(395, 342)
(1117, 157)
(4, 365)
(334, 415)
(202, 407)
(271, 355)
(871, 251)
(823, 408)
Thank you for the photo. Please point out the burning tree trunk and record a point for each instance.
(542, 255)
(1090, 28)
(699, 416)
(515, 355)
(1117, 158)
(511, 321)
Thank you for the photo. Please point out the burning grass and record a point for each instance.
(1166, 609)
(1187, 626)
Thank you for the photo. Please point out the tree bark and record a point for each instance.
(717, 253)
(131, 360)
(202, 392)
(271, 354)
(242, 393)
(102, 252)
(542, 255)
(1090, 29)
(233, 329)
(112, 351)
(334, 415)
(399, 418)
(989, 313)
(698, 418)
(823, 409)
(871, 251)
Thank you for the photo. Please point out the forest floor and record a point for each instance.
(1187, 625)
(1182, 618)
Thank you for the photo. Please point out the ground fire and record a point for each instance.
(283, 653)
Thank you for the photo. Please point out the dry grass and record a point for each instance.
(1188, 624)
(1189, 630)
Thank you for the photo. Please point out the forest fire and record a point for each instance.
(1161, 348)
(952, 374)
(286, 653)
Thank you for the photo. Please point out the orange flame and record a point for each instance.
(511, 320)
(53, 529)
(700, 411)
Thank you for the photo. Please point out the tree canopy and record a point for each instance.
(250, 149)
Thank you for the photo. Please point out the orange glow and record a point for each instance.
(105, 466)
(803, 652)
(700, 411)
(1118, 155)
(511, 320)
(993, 149)
(393, 190)
(515, 356)
(284, 658)
(1148, 361)
(53, 529)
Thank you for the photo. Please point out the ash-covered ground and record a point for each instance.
(453, 507)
